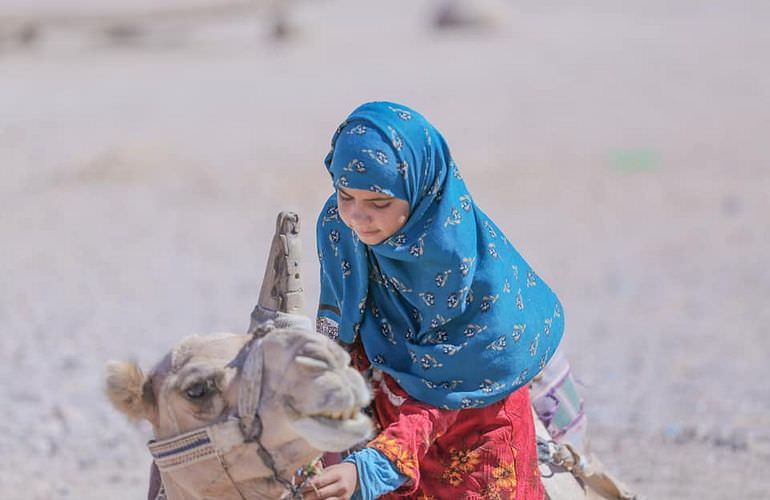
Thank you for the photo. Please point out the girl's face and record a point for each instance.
(374, 217)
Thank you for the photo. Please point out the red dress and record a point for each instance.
(483, 453)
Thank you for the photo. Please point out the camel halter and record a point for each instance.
(202, 459)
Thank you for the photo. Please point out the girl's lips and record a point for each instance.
(368, 233)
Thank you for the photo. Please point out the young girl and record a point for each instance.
(438, 308)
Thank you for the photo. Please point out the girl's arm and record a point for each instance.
(407, 439)
(390, 461)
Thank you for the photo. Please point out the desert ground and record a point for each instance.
(622, 146)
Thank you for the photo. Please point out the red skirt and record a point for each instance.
(484, 453)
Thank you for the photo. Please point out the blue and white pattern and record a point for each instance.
(446, 306)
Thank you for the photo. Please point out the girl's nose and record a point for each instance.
(359, 215)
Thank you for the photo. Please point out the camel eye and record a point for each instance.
(199, 390)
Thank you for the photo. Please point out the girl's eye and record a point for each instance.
(382, 205)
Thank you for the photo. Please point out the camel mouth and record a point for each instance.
(348, 414)
(334, 431)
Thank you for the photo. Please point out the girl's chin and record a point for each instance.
(373, 238)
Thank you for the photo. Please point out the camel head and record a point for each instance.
(203, 396)
(309, 398)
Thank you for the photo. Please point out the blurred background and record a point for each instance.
(147, 146)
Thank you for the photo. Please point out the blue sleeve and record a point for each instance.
(376, 474)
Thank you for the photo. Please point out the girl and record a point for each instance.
(438, 308)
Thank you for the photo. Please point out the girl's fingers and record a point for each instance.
(324, 480)
(327, 492)
(330, 484)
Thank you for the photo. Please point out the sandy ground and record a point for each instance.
(622, 147)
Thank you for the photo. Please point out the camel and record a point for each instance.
(235, 416)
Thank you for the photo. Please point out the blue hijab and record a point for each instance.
(446, 306)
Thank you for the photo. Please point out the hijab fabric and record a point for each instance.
(446, 305)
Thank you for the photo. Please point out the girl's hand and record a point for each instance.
(335, 482)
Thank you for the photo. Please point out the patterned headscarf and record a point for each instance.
(446, 306)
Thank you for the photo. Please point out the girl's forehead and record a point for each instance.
(364, 194)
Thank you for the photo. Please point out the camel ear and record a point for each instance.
(125, 387)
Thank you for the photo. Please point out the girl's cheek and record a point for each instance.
(343, 210)
(345, 216)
